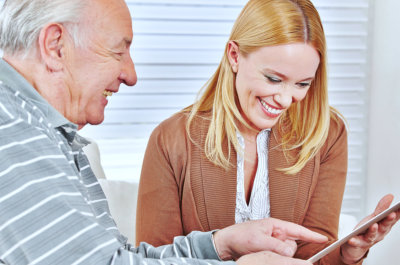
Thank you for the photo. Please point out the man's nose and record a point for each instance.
(128, 73)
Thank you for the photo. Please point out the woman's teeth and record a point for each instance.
(269, 109)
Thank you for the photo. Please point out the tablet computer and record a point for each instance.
(359, 230)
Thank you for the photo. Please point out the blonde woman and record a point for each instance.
(261, 141)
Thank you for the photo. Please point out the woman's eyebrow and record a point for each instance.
(283, 76)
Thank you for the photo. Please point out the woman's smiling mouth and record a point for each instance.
(270, 111)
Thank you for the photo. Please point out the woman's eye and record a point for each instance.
(304, 85)
(273, 79)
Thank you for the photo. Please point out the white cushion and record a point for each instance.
(346, 224)
(122, 197)
(93, 154)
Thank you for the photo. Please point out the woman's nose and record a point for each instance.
(284, 97)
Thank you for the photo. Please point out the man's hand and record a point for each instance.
(262, 235)
(355, 249)
(269, 258)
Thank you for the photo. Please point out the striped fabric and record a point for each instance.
(258, 207)
(52, 208)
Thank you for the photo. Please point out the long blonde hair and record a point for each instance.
(267, 23)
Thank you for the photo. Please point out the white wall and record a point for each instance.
(384, 124)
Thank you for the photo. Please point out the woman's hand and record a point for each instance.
(356, 248)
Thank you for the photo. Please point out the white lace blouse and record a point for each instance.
(258, 206)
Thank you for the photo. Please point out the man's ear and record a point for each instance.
(52, 40)
(233, 55)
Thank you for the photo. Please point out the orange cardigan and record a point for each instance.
(181, 190)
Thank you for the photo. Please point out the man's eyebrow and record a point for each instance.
(125, 43)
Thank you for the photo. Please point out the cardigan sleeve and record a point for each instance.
(324, 208)
(158, 217)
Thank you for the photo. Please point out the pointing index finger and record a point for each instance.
(297, 232)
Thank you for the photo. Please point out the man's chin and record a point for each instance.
(94, 121)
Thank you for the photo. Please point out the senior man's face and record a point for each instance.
(96, 70)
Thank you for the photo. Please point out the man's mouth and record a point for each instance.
(107, 93)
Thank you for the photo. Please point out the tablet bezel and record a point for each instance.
(357, 231)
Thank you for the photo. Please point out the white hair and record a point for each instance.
(22, 20)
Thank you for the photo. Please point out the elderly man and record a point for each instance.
(62, 59)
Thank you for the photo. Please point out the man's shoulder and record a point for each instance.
(15, 106)
(20, 120)
(8, 105)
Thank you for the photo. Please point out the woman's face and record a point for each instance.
(271, 78)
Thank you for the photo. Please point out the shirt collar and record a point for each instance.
(263, 134)
(16, 82)
(76, 141)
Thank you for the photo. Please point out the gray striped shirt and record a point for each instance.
(52, 208)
